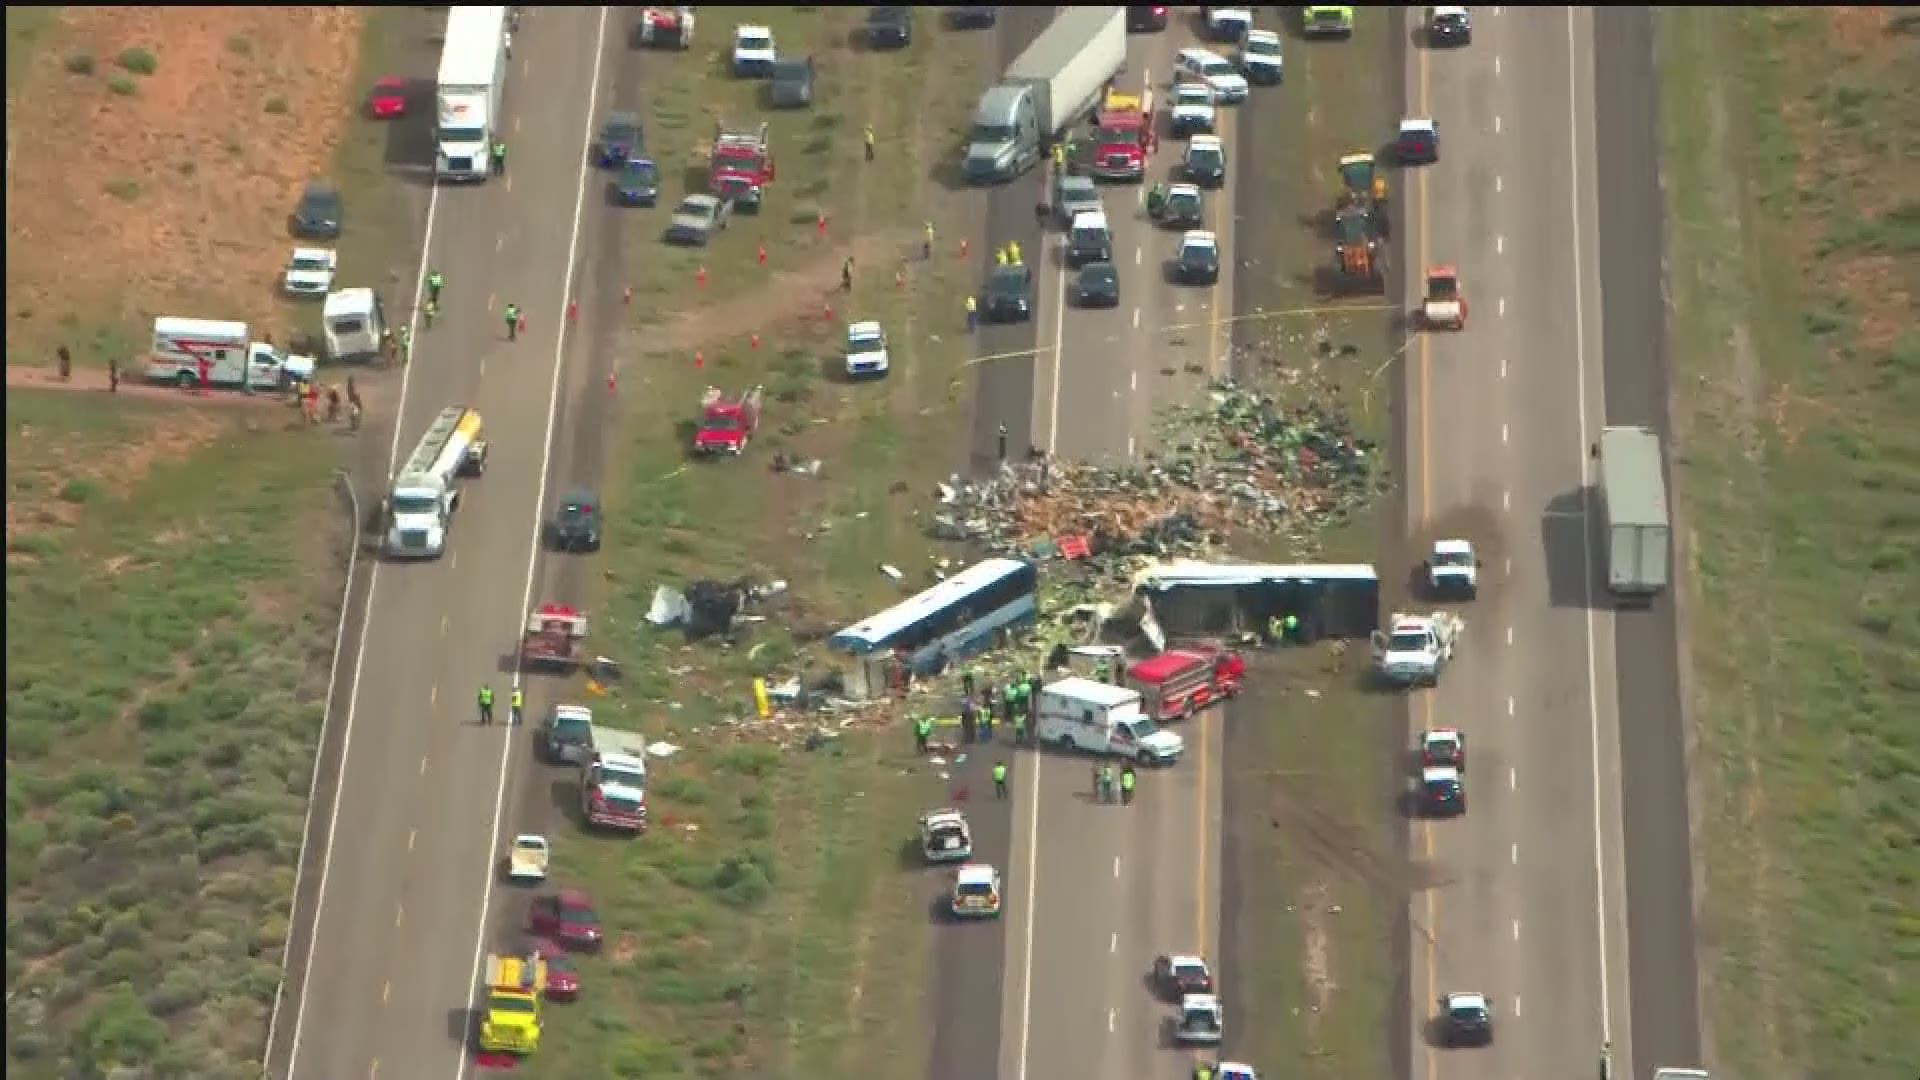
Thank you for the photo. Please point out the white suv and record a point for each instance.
(1228, 85)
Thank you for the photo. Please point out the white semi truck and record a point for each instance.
(473, 69)
(1635, 492)
(425, 492)
(1056, 81)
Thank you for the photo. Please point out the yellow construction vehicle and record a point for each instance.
(516, 994)
(1364, 183)
(1359, 256)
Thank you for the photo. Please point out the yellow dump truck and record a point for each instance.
(516, 992)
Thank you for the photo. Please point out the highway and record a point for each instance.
(406, 878)
(1529, 904)
(1096, 891)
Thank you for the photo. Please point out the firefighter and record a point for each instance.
(999, 779)
(922, 731)
(486, 704)
(1126, 785)
(515, 703)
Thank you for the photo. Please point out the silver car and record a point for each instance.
(1074, 195)
(697, 218)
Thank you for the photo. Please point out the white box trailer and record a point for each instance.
(189, 352)
(473, 71)
(1634, 488)
(1100, 718)
(353, 325)
(425, 492)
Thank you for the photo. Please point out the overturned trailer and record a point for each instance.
(1220, 600)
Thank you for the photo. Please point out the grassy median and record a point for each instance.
(1794, 229)
(768, 926)
(1316, 876)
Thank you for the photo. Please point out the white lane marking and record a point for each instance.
(1059, 330)
(1516, 929)
(1509, 706)
(1130, 447)
(1513, 855)
(1586, 539)
(1506, 500)
(1026, 945)
(1499, 245)
(1508, 564)
(1116, 867)
(373, 1070)
(386, 991)
(1133, 380)
(1503, 365)
(1516, 1006)
(453, 560)
(1496, 63)
(499, 242)
(353, 698)
(412, 835)
(1496, 125)
(443, 626)
(1499, 184)
(539, 500)
(433, 695)
(1513, 780)
(423, 766)
(1503, 307)
(1136, 256)
(1113, 943)
(1503, 434)
(1136, 318)
(399, 915)
(1509, 635)
(1110, 1020)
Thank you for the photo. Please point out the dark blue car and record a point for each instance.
(619, 140)
(638, 183)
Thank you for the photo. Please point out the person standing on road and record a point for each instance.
(515, 703)
(426, 317)
(406, 345)
(1126, 785)
(868, 135)
(1013, 252)
(486, 704)
(966, 683)
(922, 731)
(986, 722)
(497, 156)
(1020, 729)
(434, 283)
(846, 275)
(973, 314)
(66, 357)
(926, 245)
(513, 322)
(1106, 783)
(966, 721)
(113, 376)
(1003, 442)
(999, 779)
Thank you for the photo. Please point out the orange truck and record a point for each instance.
(1180, 682)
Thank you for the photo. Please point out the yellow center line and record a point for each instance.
(1423, 379)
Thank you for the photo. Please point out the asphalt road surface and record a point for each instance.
(411, 852)
(1530, 897)
(1097, 890)
(1661, 958)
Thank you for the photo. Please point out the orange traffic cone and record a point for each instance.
(699, 359)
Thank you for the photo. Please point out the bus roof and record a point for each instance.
(875, 629)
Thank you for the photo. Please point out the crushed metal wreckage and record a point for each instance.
(1243, 460)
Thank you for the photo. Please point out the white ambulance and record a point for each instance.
(1099, 718)
(354, 325)
(187, 352)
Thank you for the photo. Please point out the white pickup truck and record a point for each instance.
(527, 859)
(1417, 647)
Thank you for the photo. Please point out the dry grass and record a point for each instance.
(1795, 260)
(171, 198)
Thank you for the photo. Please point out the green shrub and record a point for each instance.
(124, 190)
(139, 61)
(239, 46)
(80, 64)
(121, 85)
(81, 490)
(120, 1030)
(276, 106)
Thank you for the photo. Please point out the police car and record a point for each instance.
(1201, 1021)
(1466, 1019)
(1441, 791)
(976, 892)
(1198, 260)
(866, 350)
(1443, 746)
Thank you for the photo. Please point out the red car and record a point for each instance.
(388, 98)
(568, 918)
(563, 975)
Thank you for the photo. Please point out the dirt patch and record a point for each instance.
(135, 194)
(1316, 962)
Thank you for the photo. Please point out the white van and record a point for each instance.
(1099, 718)
(353, 324)
(187, 351)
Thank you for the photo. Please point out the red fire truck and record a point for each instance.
(1180, 682)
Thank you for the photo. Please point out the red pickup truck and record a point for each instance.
(727, 424)
(1180, 682)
